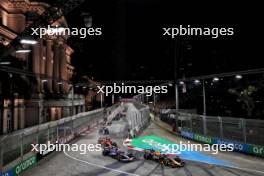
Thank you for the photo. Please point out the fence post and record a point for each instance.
(21, 146)
(243, 124)
(37, 136)
(204, 125)
(57, 132)
(64, 131)
(221, 127)
(48, 135)
(72, 129)
(190, 121)
(1, 155)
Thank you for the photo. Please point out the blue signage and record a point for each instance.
(8, 173)
(187, 134)
(237, 145)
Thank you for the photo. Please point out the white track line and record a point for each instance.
(100, 166)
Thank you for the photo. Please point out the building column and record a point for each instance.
(22, 117)
(16, 114)
(49, 64)
(42, 63)
(1, 109)
(65, 111)
(63, 69)
(35, 65)
(5, 119)
(55, 68)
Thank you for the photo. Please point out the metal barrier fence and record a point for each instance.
(16, 146)
(248, 131)
(138, 120)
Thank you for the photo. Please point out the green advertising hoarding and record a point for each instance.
(256, 150)
(24, 165)
(202, 138)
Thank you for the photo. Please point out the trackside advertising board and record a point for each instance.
(202, 138)
(197, 137)
(24, 165)
(8, 173)
(256, 150)
(187, 134)
(238, 146)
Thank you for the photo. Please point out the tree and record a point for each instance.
(245, 97)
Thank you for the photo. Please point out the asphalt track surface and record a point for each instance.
(93, 163)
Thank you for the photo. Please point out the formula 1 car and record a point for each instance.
(111, 151)
(122, 156)
(174, 162)
(105, 142)
(116, 153)
(163, 158)
(152, 154)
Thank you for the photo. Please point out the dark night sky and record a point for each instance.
(132, 45)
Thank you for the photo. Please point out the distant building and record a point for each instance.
(50, 60)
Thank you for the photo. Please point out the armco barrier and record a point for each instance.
(238, 146)
(248, 131)
(247, 135)
(63, 130)
(27, 163)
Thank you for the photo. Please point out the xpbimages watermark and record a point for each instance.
(128, 89)
(62, 31)
(50, 147)
(181, 147)
(197, 31)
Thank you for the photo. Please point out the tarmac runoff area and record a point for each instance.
(93, 163)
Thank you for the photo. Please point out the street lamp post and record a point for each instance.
(176, 76)
(204, 99)
(176, 98)
(101, 99)
(72, 100)
(113, 99)
(154, 99)
(2, 152)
